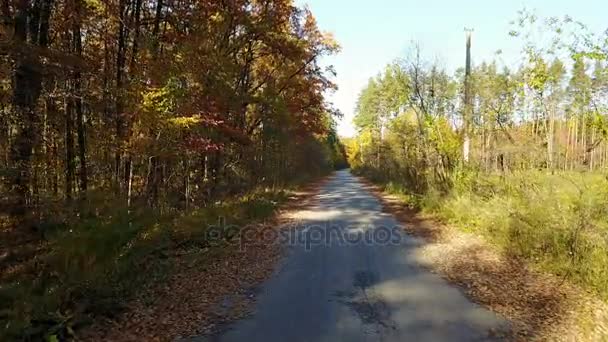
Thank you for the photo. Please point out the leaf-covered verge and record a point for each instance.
(113, 264)
(206, 289)
(492, 253)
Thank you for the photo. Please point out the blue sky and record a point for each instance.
(374, 33)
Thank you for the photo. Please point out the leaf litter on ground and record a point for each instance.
(205, 291)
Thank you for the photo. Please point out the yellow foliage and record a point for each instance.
(186, 122)
(96, 6)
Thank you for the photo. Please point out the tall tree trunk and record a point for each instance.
(583, 156)
(27, 86)
(82, 155)
(575, 144)
(153, 181)
(468, 105)
(120, 64)
(550, 141)
(187, 183)
(156, 26)
(129, 181)
(592, 154)
(112, 175)
(55, 159)
(128, 121)
(69, 148)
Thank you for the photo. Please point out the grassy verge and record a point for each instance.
(90, 266)
(556, 222)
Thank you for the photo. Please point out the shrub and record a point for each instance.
(556, 221)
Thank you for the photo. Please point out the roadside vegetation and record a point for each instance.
(128, 127)
(557, 223)
(88, 267)
(518, 156)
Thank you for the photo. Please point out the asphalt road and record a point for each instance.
(350, 276)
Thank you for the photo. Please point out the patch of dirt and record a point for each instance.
(541, 306)
(202, 295)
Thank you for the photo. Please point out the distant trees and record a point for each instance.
(159, 102)
(547, 114)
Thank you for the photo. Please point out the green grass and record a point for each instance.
(92, 265)
(557, 222)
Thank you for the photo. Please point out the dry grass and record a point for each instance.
(541, 306)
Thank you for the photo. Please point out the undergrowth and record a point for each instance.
(89, 265)
(557, 222)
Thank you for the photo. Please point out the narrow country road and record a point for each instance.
(350, 276)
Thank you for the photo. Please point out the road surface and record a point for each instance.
(350, 276)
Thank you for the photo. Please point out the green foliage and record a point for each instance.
(368, 105)
(556, 222)
(93, 266)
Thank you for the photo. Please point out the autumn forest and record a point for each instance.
(129, 127)
(150, 108)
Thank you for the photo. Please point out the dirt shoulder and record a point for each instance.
(205, 291)
(540, 306)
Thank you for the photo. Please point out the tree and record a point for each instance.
(125, 96)
(468, 105)
(527, 118)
